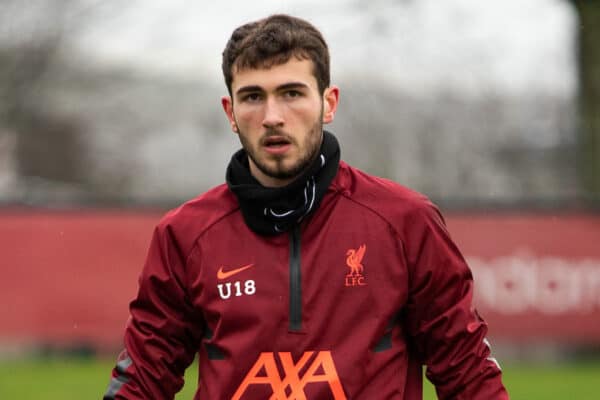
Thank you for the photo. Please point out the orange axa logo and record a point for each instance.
(354, 262)
(265, 372)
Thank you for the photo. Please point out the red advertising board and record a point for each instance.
(67, 277)
(537, 276)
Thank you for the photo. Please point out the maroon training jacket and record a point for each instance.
(348, 306)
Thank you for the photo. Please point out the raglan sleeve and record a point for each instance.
(163, 329)
(448, 333)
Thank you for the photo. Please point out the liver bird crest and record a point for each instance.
(354, 260)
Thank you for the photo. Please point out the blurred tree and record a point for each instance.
(30, 40)
(589, 72)
(34, 54)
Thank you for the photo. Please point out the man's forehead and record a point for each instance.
(293, 70)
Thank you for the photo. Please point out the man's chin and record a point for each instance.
(282, 172)
(282, 175)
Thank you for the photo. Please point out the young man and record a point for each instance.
(302, 277)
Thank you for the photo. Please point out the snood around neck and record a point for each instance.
(271, 211)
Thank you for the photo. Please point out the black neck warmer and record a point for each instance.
(270, 211)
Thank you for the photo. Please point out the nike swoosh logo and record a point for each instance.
(226, 274)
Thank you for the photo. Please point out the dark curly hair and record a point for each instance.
(273, 41)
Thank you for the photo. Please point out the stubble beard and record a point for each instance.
(279, 170)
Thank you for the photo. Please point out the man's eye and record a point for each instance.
(251, 97)
(293, 93)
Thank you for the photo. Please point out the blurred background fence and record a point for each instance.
(110, 115)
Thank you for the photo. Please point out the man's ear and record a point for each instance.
(331, 98)
(227, 104)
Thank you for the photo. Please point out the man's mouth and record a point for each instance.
(276, 144)
(276, 141)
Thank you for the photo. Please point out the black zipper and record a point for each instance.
(295, 281)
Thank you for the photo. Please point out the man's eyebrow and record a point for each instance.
(292, 85)
(250, 88)
(285, 86)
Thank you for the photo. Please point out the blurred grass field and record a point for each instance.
(76, 379)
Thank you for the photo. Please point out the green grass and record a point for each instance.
(75, 379)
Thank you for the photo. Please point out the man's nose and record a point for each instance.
(273, 114)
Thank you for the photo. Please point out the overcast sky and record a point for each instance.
(471, 46)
